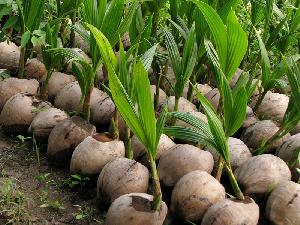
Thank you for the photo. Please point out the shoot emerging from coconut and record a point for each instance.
(142, 122)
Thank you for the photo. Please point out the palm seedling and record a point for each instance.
(291, 117)
(109, 20)
(142, 121)
(182, 66)
(31, 12)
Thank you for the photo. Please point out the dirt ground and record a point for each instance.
(32, 192)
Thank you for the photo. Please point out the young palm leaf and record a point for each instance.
(211, 134)
(142, 122)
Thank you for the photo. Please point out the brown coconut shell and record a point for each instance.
(44, 122)
(57, 82)
(250, 118)
(135, 209)
(162, 95)
(183, 105)
(232, 212)
(213, 97)
(167, 82)
(261, 131)
(19, 111)
(273, 107)
(289, 152)
(102, 110)
(68, 98)
(81, 43)
(91, 155)
(283, 205)
(9, 56)
(65, 137)
(122, 176)
(260, 174)
(194, 193)
(140, 154)
(187, 158)
(35, 69)
(203, 88)
(12, 86)
(239, 153)
(296, 130)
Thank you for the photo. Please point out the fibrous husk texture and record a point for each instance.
(182, 159)
(135, 209)
(289, 152)
(35, 69)
(65, 137)
(260, 174)
(259, 132)
(239, 153)
(250, 118)
(122, 176)
(194, 193)
(11, 86)
(214, 97)
(183, 105)
(273, 107)
(9, 56)
(232, 212)
(102, 110)
(283, 205)
(91, 155)
(140, 154)
(57, 82)
(69, 97)
(45, 121)
(19, 111)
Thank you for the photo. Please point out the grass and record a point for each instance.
(12, 203)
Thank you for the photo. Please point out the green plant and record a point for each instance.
(182, 66)
(12, 203)
(77, 180)
(291, 117)
(48, 203)
(31, 12)
(84, 213)
(142, 122)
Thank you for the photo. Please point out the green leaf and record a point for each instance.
(25, 39)
(145, 106)
(147, 58)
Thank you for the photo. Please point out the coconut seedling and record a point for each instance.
(31, 12)
(142, 122)
(109, 20)
(291, 117)
(182, 66)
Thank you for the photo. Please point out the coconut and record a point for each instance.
(203, 88)
(232, 212)
(19, 111)
(82, 54)
(296, 130)
(35, 69)
(187, 158)
(11, 86)
(273, 107)
(57, 82)
(9, 56)
(194, 193)
(45, 121)
(121, 176)
(183, 105)
(140, 154)
(167, 81)
(69, 97)
(283, 205)
(260, 174)
(239, 153)
(81, 43)
(91, 155)
(214, 97)
(250, 118)
(235, 77)
(65, 137)
(135, 209)
(289, 152)
(261, 131)
(102, 110)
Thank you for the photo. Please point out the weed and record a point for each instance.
(48, 203)
(84, 212)
(77, 180)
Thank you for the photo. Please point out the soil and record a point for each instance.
(48, 199)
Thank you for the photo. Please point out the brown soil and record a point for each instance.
(42, 185)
